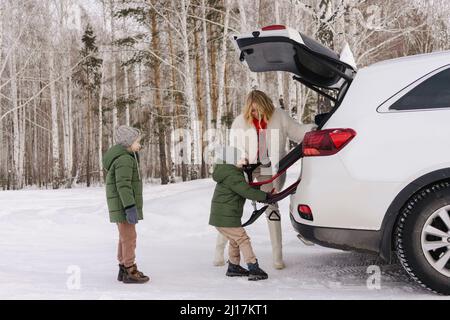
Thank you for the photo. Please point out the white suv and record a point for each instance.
(376, 175)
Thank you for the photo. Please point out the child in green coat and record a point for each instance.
(226, 211)
(124, 198)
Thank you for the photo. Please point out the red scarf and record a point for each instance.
(260, 126)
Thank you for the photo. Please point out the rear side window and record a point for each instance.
(433, 93)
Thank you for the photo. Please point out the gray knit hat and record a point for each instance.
(125, 135)
(227, 155)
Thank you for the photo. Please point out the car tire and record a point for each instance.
(416, 236)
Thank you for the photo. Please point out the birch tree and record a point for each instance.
(113, 66)
(2, 134)
(222, 66)
(279, 74)
(189, 90)
(252, 78)
(54, 114)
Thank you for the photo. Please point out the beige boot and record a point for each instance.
(276, 240)
(219, 259)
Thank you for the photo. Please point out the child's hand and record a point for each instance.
(269, 197)
(132, 215)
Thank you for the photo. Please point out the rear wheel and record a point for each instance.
(422, 238)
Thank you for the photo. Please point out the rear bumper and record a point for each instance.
(340, 200)
(343, 239)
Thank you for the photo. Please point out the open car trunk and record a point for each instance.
(277, 48)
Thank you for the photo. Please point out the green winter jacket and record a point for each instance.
(229, 196)
(123, 183)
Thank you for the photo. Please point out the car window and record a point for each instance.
(433, 93)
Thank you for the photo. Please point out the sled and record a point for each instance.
(255, 215)
(288, 161)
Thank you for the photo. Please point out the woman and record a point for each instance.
(261, 132)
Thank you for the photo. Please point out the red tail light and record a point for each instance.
(305, 212)
(274, 27)
(326, 142)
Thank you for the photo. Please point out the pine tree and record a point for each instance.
(89, 77)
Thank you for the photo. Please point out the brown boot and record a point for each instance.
(133, 275)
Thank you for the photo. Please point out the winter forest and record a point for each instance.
(72, 70)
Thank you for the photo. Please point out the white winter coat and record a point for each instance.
(280, 127)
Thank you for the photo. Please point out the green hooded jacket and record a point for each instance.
(123, 183)
(229, 197)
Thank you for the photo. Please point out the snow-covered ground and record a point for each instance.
(49, 237)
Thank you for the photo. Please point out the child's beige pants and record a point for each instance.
(239, 242)
(127, 244)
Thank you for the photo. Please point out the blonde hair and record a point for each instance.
(264, 106)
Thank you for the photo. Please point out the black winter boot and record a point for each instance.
(256, 273)
(235, 270)
(121, 272)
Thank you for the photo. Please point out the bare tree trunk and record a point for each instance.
(23, 135)
(126, 95)
(207, 82)
(169, 148)
(221, 73)
(199, 101)
(324, 35)
(17, 133)
(64, 93)
(11, 166)
(79, 148)
(36, 141)
(290, 85)
(70, 129)
(67, 124)
(279, 74)
(206, 72)
(213, 68)
(3, 154)
(177, 123)
(54, 115)
(158, 103)
(100, 121)
(64, 101)
(189, 91)
(252, 77)
(114, 69)
(88, 137)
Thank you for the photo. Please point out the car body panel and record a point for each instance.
(354, 188)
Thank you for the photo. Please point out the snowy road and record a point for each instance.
(45, 234)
